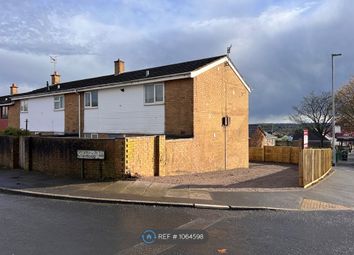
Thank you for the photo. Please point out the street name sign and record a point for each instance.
(90, 154)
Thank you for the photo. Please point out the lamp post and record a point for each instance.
(333, 111)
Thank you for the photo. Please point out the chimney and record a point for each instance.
(118, 67)
(55, 78)
(13, 89)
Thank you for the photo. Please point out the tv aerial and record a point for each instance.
(53, 60)
(228, 49)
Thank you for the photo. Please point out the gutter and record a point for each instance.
(7, 104)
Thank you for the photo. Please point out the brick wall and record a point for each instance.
(216, 93)
(58, 157)
(71, 114)
(179, 108)
(9, 151)
(3, 124)
(14, 115)
(140, 155)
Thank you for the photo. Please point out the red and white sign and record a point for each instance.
(306, 138)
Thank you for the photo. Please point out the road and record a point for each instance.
(43, 226)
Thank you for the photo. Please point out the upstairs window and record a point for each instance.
(154, 93)
(24, 106)
(4, 112)
(58, 102)
(91, 99)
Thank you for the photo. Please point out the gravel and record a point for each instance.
(257, 176)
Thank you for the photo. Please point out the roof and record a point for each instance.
(134, 76)
(269, 136)
(5, 100)
(253, 128)
(312, 136)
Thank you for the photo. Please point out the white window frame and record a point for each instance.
(163, 94)
(90, 105)
(57, 100)
(24, 105)
(4, 109)
(91, 135)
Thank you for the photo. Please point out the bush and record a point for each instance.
(16, 132)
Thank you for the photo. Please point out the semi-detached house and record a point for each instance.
(204, 101)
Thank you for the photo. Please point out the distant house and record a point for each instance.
(260, 138)
(5, 104)
(4, 112)
(314, 139)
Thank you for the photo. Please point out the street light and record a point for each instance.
(333, 112)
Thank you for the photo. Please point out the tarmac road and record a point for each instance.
(32, 225)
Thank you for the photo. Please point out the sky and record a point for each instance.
(281, 48)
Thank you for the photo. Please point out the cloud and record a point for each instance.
(282, 48)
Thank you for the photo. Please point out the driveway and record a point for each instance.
(258, 177)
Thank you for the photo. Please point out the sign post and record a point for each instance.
(90, 154)
(306, 138)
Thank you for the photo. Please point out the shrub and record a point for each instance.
(16, 132)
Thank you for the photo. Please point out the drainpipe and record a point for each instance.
(79, 112)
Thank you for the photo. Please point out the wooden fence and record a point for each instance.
(278, 154)
(314, 164)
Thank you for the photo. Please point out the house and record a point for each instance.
(260, 138)
(201, 107)
(314, 140)
(5, 104)
(4, 112)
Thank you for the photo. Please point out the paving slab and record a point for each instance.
(309, 205)
(157, 190)
(136, 188)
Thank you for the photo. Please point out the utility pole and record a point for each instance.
(333, 112)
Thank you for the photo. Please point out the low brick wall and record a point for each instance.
(9, 151)
(58, 157)
(145, 156)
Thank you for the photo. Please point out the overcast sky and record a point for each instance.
(282, 48)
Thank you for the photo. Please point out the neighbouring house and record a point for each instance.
(4, 112)
(201, 107)
(5, 106)
(260, 138)
(314, 140)
(345, 138)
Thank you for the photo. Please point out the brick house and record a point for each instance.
(261, 138)
(4, 112)
(201, 107)
(5, 105)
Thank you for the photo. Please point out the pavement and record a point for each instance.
(335, 192)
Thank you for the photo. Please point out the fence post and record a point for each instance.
(301, 169)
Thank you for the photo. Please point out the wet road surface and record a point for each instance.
(43, 226)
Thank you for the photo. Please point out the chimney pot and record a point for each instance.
(118, 67)
(13, 89)
(55, 78)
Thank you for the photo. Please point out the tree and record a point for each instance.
(345, 105)
(315, 113)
